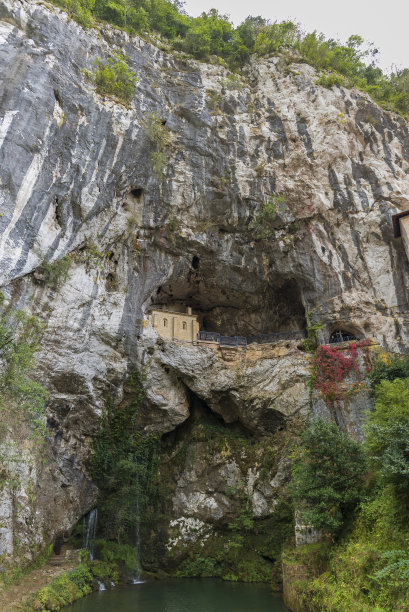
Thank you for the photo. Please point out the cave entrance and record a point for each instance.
(340, 335)
(204, 424)
(232, 311)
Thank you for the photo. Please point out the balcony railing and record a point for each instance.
(204, 336)
(233, 341)
(208, 336)
(275, 337)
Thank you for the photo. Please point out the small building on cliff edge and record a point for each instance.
(175, 325)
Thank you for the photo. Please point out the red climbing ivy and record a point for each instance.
(332, 365)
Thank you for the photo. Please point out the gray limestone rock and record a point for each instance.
(76, 179)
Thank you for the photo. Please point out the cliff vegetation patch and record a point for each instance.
(212, 35)
(123, 465)
(265, 221)
(113, 78)
(159, 139)
(20, 394)
(367, 567)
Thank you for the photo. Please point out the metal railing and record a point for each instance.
(204, 336)
(233, 341)
(275, 337)
(208, 336)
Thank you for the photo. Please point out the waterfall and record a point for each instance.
(137, 576)
(89, 533)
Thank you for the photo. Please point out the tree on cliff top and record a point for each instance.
(212, 34)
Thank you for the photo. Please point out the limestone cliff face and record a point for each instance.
(77, 178)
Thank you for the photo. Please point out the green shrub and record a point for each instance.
(265, 221)
(328, 475)
(199, 567)
(159, 139)
(209, 34)
(367, 571)
(113, 78)
(60, 592)
(389, 369)
(387, 433)
(20, 334)
(82, 578)
(311, 342)
(55, 274)
(330, 80)
(80, 10)
(273, 37)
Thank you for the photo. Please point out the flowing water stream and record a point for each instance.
(137, 576)
(90, 530)
(183, 595)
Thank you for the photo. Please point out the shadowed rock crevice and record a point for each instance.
(202, 414)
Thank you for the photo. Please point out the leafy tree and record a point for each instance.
(275, 36)
(349, 64)
(327, 478)
(209, 34)
(249, 30)
(166, 18)
(80, 10)
(389, 369)
(387, 433)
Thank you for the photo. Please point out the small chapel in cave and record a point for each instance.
(175, 325)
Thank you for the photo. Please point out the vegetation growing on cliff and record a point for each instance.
(113, 78)
(123, 465)
(265, 221)
(212, 35)
(327, 476)
(368, 569)
(335, 369)
(240, 546)
(55, 273)
(160, 140)
(20, 394)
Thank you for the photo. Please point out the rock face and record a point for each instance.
(77, 180)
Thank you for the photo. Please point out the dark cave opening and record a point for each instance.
(341, 335)
(274, 307)
(213, 424)
(137, 192)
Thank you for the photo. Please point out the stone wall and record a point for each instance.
(175, 326)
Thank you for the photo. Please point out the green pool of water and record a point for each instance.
(194, 595)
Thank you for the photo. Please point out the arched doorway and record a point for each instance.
(341, 335)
